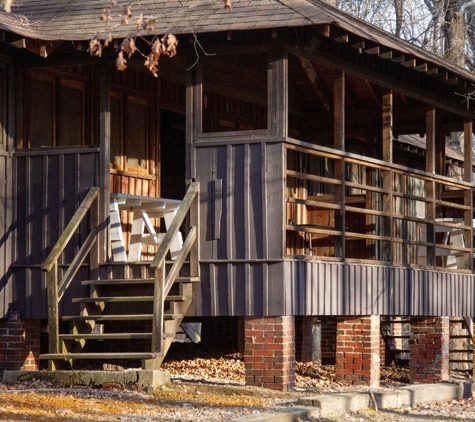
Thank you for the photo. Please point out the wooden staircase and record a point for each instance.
(461, 342)
(396, 340)
(125, 318)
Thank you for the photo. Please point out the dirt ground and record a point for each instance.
(206, 388)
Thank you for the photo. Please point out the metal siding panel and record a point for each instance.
(279, 273)
(258, 288)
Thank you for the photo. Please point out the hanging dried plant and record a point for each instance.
(106, 15)
(95, 47)
(169, 45)
(126, 15)
(108, 40)
(128, 46)
(227, 4)
(113, 2)
(139, 21)
(152, 64)
(121, 62)
(149, 24)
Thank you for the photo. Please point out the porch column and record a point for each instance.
(358, 350)
(104, 162)
(429, 345)
(430, 184)
(269, 353)
(339, 166)
(468, 194)
(387, 153)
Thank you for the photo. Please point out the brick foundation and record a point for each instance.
(20, 345)
(429, 347)
(269, 353)
(357, 350)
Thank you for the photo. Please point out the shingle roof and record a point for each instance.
(58, 20)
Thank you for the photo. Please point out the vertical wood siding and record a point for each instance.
(6, 233)
(50, 186)
(242, 226)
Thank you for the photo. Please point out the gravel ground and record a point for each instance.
(206, 388)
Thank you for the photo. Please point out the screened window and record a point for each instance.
(56, 111)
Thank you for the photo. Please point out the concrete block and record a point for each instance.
(425, 393)
(393, 399)
(153, 378)
(337, 404)
(282, 415)
(468, 388)
(91, 378)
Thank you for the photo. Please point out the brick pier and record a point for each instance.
(269, 353)
(20, 345)
(429, 345)
(358, 350)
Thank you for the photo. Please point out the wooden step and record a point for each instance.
(462, 336)
(67, 356)
(461, 361)
(170, 298)
(113, 299)
(462, 351)
(111, 336)
(134, 281)
(166, 317)
(107, 336)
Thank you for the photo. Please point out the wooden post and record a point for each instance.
(339, 143)
(158, 309)
(195, 250)
(430, 185)
(194, 115)
(468, 193)
(53, 312)
(277, 92)
(104, 250)
(388, 182)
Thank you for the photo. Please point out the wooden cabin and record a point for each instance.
(262, 176)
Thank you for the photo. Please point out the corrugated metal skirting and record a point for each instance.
(294, 287)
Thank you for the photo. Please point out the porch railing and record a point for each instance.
(163, 280)
(56, 288)
(343, 206)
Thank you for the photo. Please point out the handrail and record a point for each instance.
(309, 148)
(56, 288)
(70, 229)
(163, 283)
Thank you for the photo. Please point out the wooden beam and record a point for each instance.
(386, 55)
(342, 38)
(373, 93)
(468, 151)
(430, 140)
(374, 50)
(409, 63)
(388, 126)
